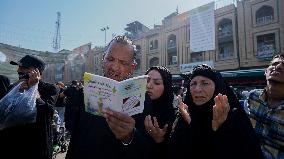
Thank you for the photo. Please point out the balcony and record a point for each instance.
(264, 20)
(226, 55)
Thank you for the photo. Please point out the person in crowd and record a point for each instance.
(213, 123)
(115, 135)
(266, 110)
(4, 85)
(178, 93)
(33, 140)
(60, 103)
(74, 98)
(159, 122)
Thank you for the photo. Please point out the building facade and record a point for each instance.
(62, 66)
(248, 34)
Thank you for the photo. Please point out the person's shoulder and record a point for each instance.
(3, 77)
(255, 93)
(51, 88)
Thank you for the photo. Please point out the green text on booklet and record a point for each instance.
(127, 96)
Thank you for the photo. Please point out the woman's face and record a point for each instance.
(201, 89)
(155, 85)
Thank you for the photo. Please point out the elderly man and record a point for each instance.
(33, 140)
(266, 110)
(115, 135)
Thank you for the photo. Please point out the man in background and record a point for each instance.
(32, 140)
(266, 110)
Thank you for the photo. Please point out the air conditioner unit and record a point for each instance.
(174, 59)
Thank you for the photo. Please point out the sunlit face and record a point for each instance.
(155, 85)
(201, 89)
(275, 70)
(118, 63)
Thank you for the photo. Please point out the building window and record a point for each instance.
(196, 57)
(138, 49)
(138, 64)
(171, 41)
(225, 39)
(156, 44)
(172, 50)
(154, 61)
(151, 45)
(225, 28)
(266, 46)
(264, 15)
(226, 50)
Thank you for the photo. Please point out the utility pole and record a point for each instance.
(105, 29)
(57, 35)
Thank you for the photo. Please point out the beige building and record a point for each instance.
(261, 31)
(248, 34)
(98, 56)
(62, 66)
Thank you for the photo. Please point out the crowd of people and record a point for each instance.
(205, 121)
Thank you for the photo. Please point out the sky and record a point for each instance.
(31, 23)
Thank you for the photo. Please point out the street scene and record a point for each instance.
(214, 79)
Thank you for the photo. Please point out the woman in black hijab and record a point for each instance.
(4, 85)
(162, 114)
(215, 125)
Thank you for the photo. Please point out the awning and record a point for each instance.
(244, 73)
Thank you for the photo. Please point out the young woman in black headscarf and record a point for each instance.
(162, 114)
(213, 124)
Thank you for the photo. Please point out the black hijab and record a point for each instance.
(234, 139)
(163, 107)
(220, 87)
(200, 139)
(4, 85)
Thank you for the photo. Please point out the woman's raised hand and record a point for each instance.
(220, 111)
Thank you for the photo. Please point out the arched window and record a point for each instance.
(171, 40)
(154, 61)
(225, 28)
(264, 15)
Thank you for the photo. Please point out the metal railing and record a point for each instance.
(264, 20)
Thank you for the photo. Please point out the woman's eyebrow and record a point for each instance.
(155, 79)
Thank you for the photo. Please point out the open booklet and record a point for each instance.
(127, 96)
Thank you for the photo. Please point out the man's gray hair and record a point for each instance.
(124, 40)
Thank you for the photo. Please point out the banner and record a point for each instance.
(202, 28)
